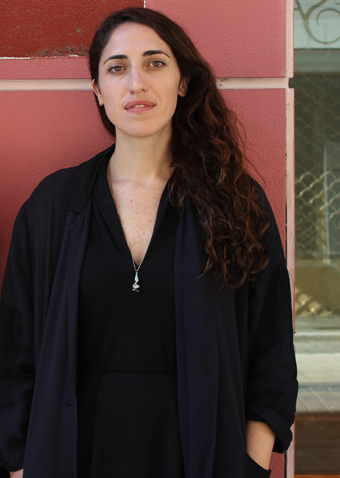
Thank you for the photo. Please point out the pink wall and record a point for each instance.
(240, 38)
(41, 131)
(266, 141)
(47, 68)
(51, 28)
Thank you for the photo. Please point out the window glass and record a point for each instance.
(317, 155)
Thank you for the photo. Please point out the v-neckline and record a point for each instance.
(108, 209)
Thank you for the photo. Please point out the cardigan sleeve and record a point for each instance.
(16, 348)
(271, 384)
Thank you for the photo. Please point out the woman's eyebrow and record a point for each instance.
(146, 53)
(155, 52)
(115, 57)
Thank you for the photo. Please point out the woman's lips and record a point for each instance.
(139, 106)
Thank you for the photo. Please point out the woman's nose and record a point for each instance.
(137, 80)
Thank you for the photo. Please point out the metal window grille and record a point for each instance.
(317, 194)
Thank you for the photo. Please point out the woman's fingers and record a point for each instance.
(16, 474)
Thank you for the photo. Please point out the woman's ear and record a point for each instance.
(97, 92)
(183, 87)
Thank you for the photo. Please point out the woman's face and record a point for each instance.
(139, 82)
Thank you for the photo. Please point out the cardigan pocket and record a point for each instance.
(254, 470)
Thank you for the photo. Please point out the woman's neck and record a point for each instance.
(142, 160)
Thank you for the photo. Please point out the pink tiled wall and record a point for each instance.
(240, 38)
(49, 28)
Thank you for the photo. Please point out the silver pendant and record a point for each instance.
(135, 285)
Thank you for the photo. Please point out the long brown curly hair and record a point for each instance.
(209, 163)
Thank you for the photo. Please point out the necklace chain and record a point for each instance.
(135, 285)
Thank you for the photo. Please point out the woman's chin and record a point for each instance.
(144, 133)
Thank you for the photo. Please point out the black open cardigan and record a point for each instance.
(235, 353)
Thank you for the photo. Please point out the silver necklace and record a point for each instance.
(135, 285)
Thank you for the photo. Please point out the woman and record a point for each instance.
(146, 295)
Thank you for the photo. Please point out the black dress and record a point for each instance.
(127, 377)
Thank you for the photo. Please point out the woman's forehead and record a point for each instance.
(135, 37)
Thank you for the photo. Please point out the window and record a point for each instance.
(317, 155)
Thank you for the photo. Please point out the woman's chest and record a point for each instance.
(137, 208)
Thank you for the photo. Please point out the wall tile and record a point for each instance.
(45, 68)
(262, 113)
(63, 27)
(239, 38)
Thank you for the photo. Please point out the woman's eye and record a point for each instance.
(156, 63)
(116, 68)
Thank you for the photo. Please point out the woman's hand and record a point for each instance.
(16, 474)
(260, 442)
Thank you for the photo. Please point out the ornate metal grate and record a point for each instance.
(317, 194)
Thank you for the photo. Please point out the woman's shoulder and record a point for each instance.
(52, 186)
(70, 187)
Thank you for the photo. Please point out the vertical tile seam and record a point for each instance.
(290, 233)
(289, 38)
(290, 181)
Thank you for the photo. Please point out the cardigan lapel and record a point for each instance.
(78, 199)
(78, 241)
(197, 357)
